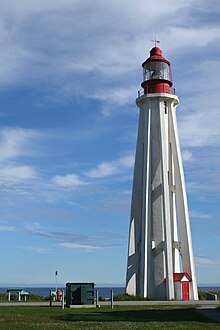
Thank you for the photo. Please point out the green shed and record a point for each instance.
(80, 293)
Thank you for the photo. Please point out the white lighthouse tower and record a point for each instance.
(160, 253)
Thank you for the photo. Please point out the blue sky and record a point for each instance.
(69, 75)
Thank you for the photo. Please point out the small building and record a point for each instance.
(80, 293)
(181, 285)
(22, 295)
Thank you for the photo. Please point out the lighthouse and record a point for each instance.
(160, 253)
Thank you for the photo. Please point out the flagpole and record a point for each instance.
(56, 274)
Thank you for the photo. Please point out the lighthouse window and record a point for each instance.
(165, 107)
(157, 70)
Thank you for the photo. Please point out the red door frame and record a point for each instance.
(185, 290)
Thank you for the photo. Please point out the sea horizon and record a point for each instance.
(104, 291)
(60, 284)
(47, 285)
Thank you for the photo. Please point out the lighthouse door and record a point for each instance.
(185, 290)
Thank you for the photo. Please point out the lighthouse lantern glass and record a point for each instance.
(157, 70)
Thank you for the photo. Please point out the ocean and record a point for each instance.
(104, 292)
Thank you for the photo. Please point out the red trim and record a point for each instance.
(177, 277)
(156, 55)
(156, 86)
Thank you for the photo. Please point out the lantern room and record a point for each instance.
(157, 76)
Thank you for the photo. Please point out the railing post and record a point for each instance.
(112, 299)
(97, 298)
(50, 298)
(62, 302)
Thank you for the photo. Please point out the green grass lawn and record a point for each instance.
(120, 318)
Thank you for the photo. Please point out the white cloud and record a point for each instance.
(36, 229)
(24, 8)
(69, 180)
(198, 215)
(17, 173)
(189, 36)
(38, 250)
(118, 95)
(207, 261)
(12, 59)
(41, 29)
(7, 228)
(203, 174)
(16, 142)
(200, 129)
(186, 155)
(76, 246)
(115, 167)
(200, 122)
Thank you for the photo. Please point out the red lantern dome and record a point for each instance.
(157, 73)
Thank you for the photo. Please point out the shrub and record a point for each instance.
(14, 297)
(202, 294)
